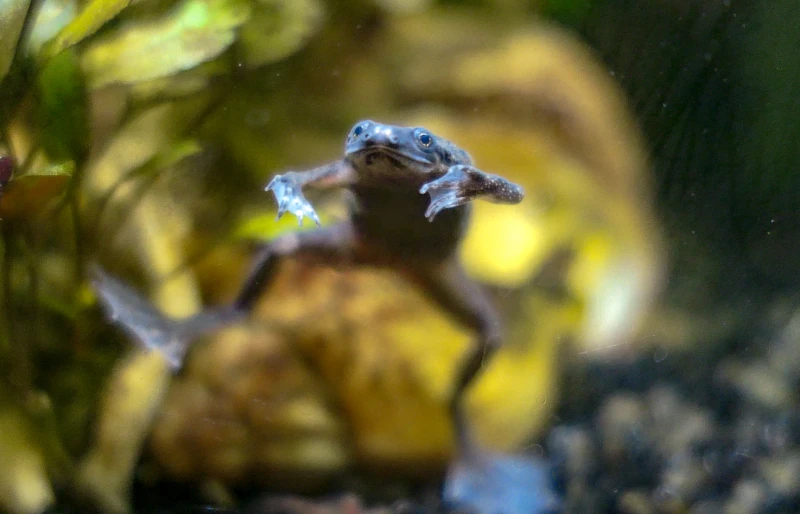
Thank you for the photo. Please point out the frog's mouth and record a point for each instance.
(373, 155)
(373, 158)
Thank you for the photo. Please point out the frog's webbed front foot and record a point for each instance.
(289, 194)
(463, 183)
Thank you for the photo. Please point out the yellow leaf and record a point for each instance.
(90, 19)
(12, 16)
(31, 194)
(278, 28)
(193, 33)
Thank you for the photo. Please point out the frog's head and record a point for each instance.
(375, 145)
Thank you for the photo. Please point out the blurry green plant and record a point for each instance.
(97, 100)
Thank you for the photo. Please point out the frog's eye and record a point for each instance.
(358, 130)
(425, 139)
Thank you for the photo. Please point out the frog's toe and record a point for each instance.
(437, 205)
(442, 201)
(290, 199)
(500, 484)
(301, 208)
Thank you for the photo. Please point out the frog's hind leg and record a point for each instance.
(172, 337)
(329, 244)
(470, 305)
(151, 328)
(480, 480)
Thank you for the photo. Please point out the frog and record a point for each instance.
(411, 194)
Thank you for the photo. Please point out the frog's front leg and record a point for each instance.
(463, 183)
(288, 187)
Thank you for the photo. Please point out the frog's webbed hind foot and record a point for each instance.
(151, 328)
(493, 483)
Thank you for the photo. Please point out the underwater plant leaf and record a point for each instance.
(572, 11)
(51, 18)
(263, 226)
(173, 155)
(193, 33)
(163, 160)
(277, 29)
(31, 194)
(167, 158)
(25, 466)
(63, 108)
(181, 84)
(86, 23)
(144, 137)
(12, 17)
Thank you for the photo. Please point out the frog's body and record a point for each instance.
(391, 221)
(388, 169)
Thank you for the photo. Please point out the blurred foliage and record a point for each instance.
(93, 16)
(143, 133)
(190, 34)
(12, 19)
(62, 109)
(31, 193)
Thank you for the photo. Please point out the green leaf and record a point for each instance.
(179, 85)
(278, 28)
(62, 109)
(569, 11)
(172, 156)
(51, 18)
(90, 19)
(193, 33)
(31, 194)
(168, 158)
(142, 139)
(263, 226)
(12, 17)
